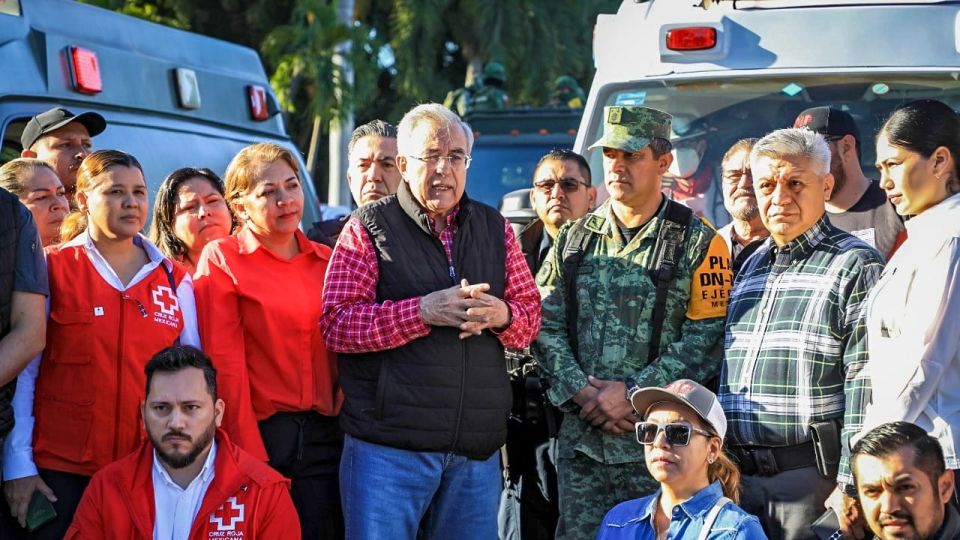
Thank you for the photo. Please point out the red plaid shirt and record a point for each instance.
(353, 321)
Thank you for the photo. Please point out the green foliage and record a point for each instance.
(308, 77)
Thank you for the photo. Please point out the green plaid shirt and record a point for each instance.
(796, 340)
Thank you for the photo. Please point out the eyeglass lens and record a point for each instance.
(568, 185)
(677, 434)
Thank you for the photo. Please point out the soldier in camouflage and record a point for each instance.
(491, 96)
(593, 372)
(566, 92)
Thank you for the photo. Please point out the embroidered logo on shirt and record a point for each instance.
(227, 517)
(169, 305)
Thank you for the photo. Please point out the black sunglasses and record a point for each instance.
(568, 185)
(677, 433)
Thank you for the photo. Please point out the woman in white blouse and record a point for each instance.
(914, 310)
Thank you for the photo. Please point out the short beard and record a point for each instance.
(743, 212)
(181, 460)
(839, 175)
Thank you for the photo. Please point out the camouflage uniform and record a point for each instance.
(615, 297)
(567, 92)
(491, 96)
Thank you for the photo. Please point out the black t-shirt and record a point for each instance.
(872, 219)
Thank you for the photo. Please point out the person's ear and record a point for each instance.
(664, 162)
(143, 415)
(827, 186)
(591, 197)
(848, 147)
(218, 409)
(81, 198)
(402, 163)
(28, 153)
(239, 210)
(946, 486)
(941, 161)
(715, 445)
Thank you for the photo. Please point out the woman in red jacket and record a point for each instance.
(190, 211)
(259, 293)
(115, 300)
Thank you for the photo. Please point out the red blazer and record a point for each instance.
(91, 378)
(246, 499)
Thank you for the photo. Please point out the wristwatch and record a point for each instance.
(632, 388)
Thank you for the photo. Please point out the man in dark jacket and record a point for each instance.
(561, 192)
(423, 292)
(371, 172)
(23, 289)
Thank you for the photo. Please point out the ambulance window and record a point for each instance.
(11, 148)
(711, 114)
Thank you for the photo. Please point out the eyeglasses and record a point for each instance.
(677, 433)
(456, 161)
(568, 185)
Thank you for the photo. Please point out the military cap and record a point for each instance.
(632, 128)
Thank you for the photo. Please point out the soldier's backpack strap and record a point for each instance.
(578, 238)
(667, 253)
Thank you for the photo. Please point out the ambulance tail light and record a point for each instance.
(257, 97)
(84, 70)
(694, 38)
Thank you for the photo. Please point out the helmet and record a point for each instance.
(565, 82)
(495, 71)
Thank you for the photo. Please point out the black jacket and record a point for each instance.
(9, 233)
(437, 392)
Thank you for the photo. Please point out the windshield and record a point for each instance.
(709, 115)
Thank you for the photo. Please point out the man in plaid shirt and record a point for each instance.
(424, 290)
(795, 344)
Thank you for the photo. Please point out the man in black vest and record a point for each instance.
(23, 289)
(425, 289)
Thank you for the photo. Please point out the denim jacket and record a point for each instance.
(633, 520)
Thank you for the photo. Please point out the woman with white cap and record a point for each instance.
(682, 434)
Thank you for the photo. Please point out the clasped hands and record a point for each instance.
(604, 405)
(465, 306)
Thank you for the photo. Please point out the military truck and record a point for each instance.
(171, 98)
(509, 143)
(727, 70)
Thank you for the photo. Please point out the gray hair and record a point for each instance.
(440, 116)
(374, 128)
(793, 143)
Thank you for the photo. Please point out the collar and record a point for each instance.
(153, 253)
(411, 207)
(248, 243)
(950, 529)
(206, 473)
(701, 502)
(801, 246)
(936, 219)
(607, 222)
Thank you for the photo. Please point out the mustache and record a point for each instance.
(900, 515)
(178, 434)
(742, 193)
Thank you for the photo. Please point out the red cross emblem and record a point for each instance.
(228, 515)
(164, 298)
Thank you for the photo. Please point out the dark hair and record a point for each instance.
(660, 146)
(165, 209)
(564, 154)
(177, 357)
(923, 126)
(891, 437)
(375, 128)
(91, 167)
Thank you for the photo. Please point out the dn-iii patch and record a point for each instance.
(711, 283)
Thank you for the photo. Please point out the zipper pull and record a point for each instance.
(453, 274)
(143, 310)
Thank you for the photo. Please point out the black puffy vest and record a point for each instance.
(9, 233)
(437, 393)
